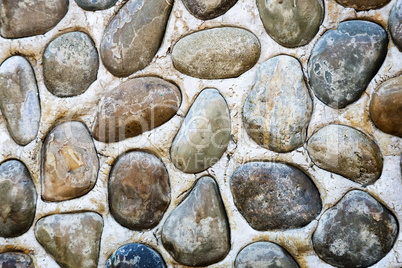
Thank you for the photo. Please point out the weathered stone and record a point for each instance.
(273, 196)
(27, 18)
(386, 107)
(19, 99)
(204, 134)
(291, 23)
(70, 64)
(93, 5)
(15, 260)
(216, 53)
(73, 240)
(356, 232)
(395, 24)
(17, 199)
(363, 4)
(197, 232)
(206, 9)
(279, 107)
(134, 107)
(346, 151)
(135, 256)
(134, 35)
(139, 190)
(264, 254)
(344, 61)
(70, 163)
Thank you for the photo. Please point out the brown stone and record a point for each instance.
(16, 260)
(207, 9)
(361, 5)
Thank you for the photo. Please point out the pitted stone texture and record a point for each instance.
(17, 199)
(279, 107)
(357, 232)
(73, 240)
(139, 190)
(291, 23)
(197, 232)
(274, 196)
(360, 5)
(19, 99)
(134, 107)
(346, 151)
(93, 5)
(395, 24)
(216, 53)
(134, 35)
(344, 61)
(70, 64)
(204, 134)
(135, 256)
(15, 260)
(264, 254)
(70, 163)
(207, 9)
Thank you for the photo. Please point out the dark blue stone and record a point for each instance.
(135, 256)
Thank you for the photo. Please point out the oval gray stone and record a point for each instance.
(16, 260)
(345, 60)
(279, 107)
(19, 99)
(204, 134)
(197, 232)
(361, 5)
(216, 53)
(70, 64)
(134, 35)
(93, 5)
(357, 232)
(346, 151)
(274, 196)
(395, 24)
(207, 9)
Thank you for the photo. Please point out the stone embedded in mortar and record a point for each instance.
(197, 232)
(273, 196)
(206, 10)
(93, 5)
(16, 260)
(73, 239)
(135, 256)
(357, 232)
(204, 134)
(217, 53)
(70, 163)
(134, 107)
(395, 24)
(344, 61)
(361, 5)
(279, 107)
(19, 99)
(346, 151)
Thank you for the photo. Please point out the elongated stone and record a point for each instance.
(135, 256)
(206, 10)
(197, 232)
(16, 260)
(395, 24)
(279, 107)
(93, 5)
(19, 99)
(204, 134)
(216, 53)
(363, 4)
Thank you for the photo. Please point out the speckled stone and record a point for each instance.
(135, 256)
(70, 64)
(134, 107)
(291, 23)
(207, 9)
(347, 152)
(73, 239)
(344, 61)
(395, 24)
(17, 199)
(134, 35)
(264, 254)
(279, 107)
(273, 196)
(70, 163)
(360, 5)
(197, 232)
(216, 53)
(93, 5)
(15, 260)
(204, 134)
(357, 232)
(19, 99)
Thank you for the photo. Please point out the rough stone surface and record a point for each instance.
(93, 5)
(204, 134)
(344, 61)
(15, 260)
(208, 9)
(19, 99)
(134, 107)
(356, 232)
(279, 107)
(70, 64)
(135, 256)
(70, 163)
(197, 232)
(395, 24)
(291, 23)
(273, 196)
(17, 199)
(347, 152)
(363, 4)
(216, 53)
